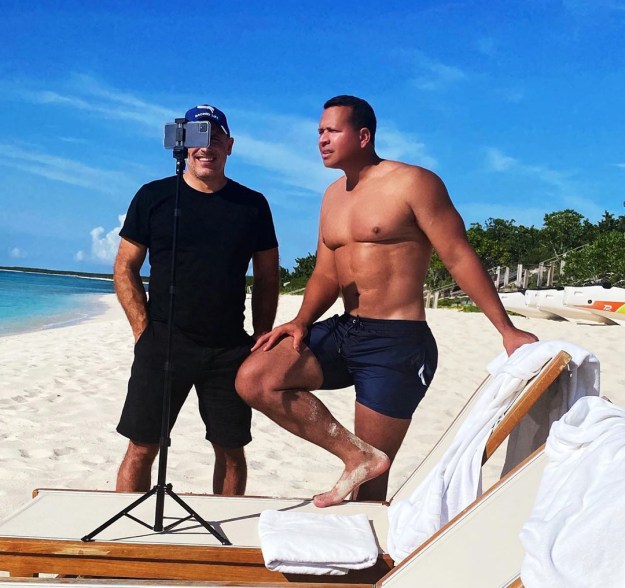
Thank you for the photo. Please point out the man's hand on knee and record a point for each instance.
(290, 329)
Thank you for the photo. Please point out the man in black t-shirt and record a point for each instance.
(222, 226)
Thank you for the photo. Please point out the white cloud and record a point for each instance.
(434, 75)
(621, 165)
(104, 244)
(88, 94)
(499, 162)
(64, 170)
(563, 187)
(295, 158)
(294, 166)
(292, 158)
(283, 145)
(74, 140)
(393, 144)
(17, 253)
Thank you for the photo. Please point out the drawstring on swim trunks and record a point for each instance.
(354, 323)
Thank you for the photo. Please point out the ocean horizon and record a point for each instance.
(32, 301)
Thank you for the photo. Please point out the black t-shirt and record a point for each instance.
(217, 235)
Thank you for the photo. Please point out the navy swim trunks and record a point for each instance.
(391, 363)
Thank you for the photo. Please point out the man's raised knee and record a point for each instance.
(250, 377)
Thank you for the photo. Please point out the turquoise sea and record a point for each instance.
(33, 301)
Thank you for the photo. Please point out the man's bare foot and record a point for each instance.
(373, 464)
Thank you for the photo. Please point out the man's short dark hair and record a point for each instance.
(362, 115)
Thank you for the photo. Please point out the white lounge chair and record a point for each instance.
(44, 535)
(479, 548)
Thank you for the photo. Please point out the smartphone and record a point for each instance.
(194, 134)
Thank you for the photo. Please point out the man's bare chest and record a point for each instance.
(367, 219)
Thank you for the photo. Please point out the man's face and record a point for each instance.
(338, 140)
(209, 162)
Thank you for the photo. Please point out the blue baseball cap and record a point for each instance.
(211, 114)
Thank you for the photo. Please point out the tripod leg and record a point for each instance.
(197, 517)
(119, 515)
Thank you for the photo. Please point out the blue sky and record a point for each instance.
(518, 106)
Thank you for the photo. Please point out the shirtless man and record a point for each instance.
(379, 223)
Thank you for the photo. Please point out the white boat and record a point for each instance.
(516, 302)
(531, 301)
(605, 302)
(552, 300)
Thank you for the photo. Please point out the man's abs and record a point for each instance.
(383, 280)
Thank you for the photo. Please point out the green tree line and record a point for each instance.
(296, 278)
(592, 252)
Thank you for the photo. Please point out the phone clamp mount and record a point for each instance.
(180, 152)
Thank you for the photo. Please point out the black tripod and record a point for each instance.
(162, 488)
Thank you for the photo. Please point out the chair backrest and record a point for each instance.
(479, 548)
(519, 406)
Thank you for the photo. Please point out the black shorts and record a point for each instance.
(211, 370)
(390, 363)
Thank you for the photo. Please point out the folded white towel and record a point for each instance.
(455, 482)
(574, 536)
(310, 543)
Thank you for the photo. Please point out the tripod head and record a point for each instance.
(180, 155)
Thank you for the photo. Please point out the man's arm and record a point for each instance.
(322, 290)
(128, 284)
(265, 290)
(445, 229)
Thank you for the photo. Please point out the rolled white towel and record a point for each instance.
(310, 543)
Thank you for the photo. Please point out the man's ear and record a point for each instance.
(365, 137)
(230, 144)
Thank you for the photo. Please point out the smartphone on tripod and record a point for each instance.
(187, 134)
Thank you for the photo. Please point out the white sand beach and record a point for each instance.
(62, 391)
